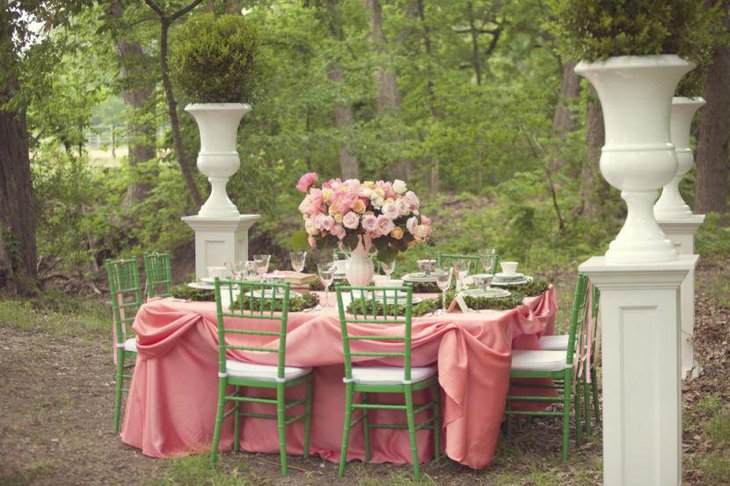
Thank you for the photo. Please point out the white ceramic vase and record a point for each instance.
(670, 205)
(638, 157)
(218, 158)
(360, 269)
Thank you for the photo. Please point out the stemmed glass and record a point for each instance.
(298, 258)
(443, 281)
(388, 268)
(326, 273)
(488, 257)
(262, 264)
(461, 267)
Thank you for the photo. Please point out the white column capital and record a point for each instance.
(686, 226)
(639, 276)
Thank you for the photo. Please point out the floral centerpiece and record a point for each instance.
(360, 216)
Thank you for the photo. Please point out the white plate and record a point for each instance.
(488, 293)
(419, 277)
(279, 294)
(508, 276)
(522, 281)
(201, 286)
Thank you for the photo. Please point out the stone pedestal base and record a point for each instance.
(682, 233)
(642, 425)
(219, 240)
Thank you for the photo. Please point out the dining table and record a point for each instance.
(171, 405)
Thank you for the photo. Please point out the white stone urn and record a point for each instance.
(638, 157)
(670, 205)
(360, 269)
(218, 158)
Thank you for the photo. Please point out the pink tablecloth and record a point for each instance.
(172, 400)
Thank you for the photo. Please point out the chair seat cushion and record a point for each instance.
(389, 375)
(538, 360)
(554, 343)
(131, 345)
(261, 372)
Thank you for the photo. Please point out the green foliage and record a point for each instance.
(214, 59)
(593, 30)
(426, 306)
(183, 291)
(297, 304)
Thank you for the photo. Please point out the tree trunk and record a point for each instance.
(138, 96)
(563, 120)
(428, 47)
(342, 113)
(593, 188)
(712, 151)
(17, 217)
(474, 34)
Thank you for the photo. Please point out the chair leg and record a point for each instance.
(412, 432)
(566, 413)
(119, 384)
(366, 427)
(308, 416)
(587, 406)
(346, 428)
(436, 399)
(281, 425)
(578, 410)
(594, 385)
(222, 383)
(237, 421)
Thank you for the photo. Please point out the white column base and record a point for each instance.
(682, 232)
(219, 240)
(642, 424)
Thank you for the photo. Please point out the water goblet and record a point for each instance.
(326, 272)
(443, 281)
(388, 268)
(461, 268)
(249, 269)
(488, 258)
(262, 264)
(298, 258)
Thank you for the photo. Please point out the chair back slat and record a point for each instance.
(577, 315)
(252, 303)
(380, 308)
(126, 294)
(445, 259)
(158, 274)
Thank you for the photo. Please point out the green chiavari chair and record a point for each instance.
(126, 296)
(256, 301)
(158, 274)
(556, 365)
(366, 380)
(446, 259)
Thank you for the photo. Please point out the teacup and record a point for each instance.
(219, 272)
(509, 268)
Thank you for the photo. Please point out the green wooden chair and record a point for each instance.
(446, 259)
(126, 296)
(556, 366)
(158, 274)
(366, 380)
(255, 301)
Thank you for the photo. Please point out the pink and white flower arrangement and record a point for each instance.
(384, 214)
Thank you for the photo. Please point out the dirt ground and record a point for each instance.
(56, 396)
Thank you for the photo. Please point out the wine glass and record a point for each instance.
(326, 272)
(262, 264)
(461, 267)
(388, 268)
(443, 281)
(298, 258)
(488, 257)
(249, 269)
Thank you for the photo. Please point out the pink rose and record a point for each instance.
(312, 203)
(306, 181)
(412, 200)
(369, 223)
(385, 224)
(402, 206)
(312, 242)
(390, 210)
(339, 231)
(411, 225)
(426, 220)
(351, 220)
(422, 232)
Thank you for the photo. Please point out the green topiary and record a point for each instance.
(595, 30)
(214, 59)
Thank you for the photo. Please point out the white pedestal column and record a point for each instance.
(219, 240)
(642, 424)
(682, 232)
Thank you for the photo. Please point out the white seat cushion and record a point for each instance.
(262, 372)
(131, 345)
(389, 375)
(554, 343)
(538, 360)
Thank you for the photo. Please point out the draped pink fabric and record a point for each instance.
(173, 393)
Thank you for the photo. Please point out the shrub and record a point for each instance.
(214, 59)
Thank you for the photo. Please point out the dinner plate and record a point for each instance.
(268, 294)
(522, 281)
(509, 276)
(201, 286)
(418, 277)
(487, 293)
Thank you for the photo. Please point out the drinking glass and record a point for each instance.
(249, 269)
(461, 268)
(326, 273)
(262, 264)
(488, 257)
(298, 258)
(388, 268)
(443, 281)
